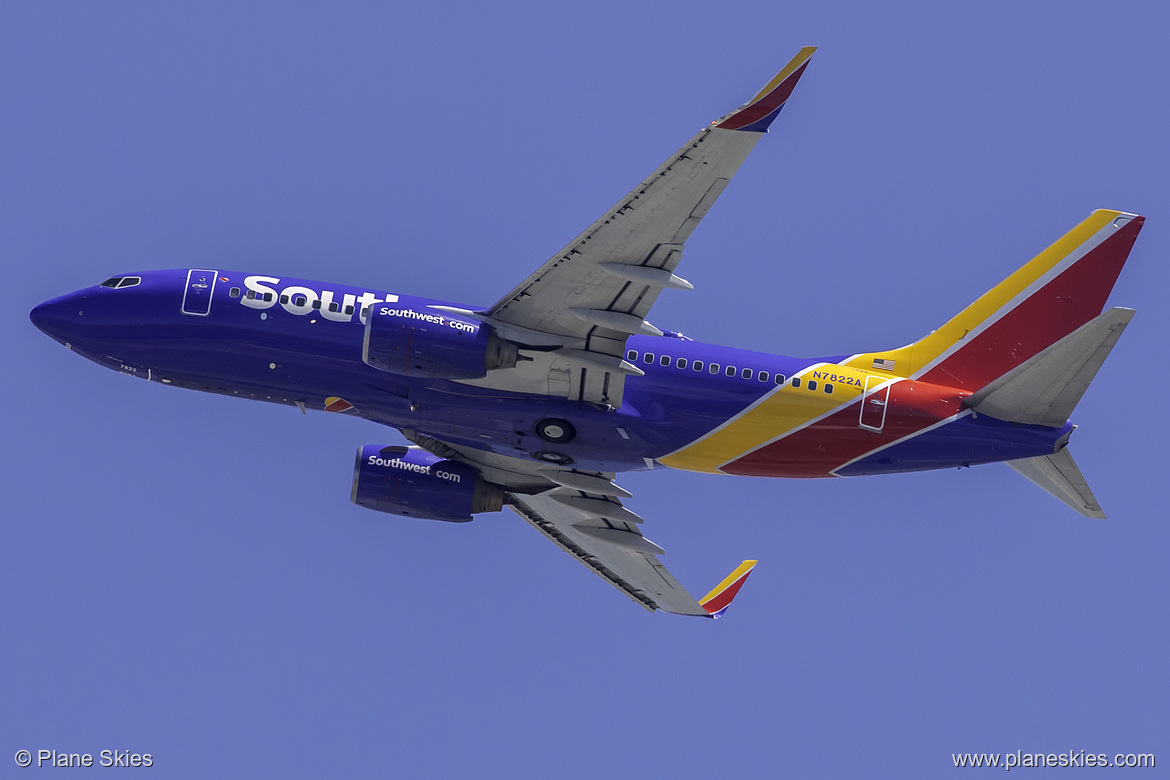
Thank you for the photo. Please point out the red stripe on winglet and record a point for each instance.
(724, 598)
(765, 105)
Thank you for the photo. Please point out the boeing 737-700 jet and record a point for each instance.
(537, 401)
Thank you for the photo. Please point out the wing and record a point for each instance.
(606, 537)
(582, 513)
(599, 288)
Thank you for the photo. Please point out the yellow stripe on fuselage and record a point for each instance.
(782, 411)
(911, 359)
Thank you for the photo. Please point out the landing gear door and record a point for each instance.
(197, 294)
(874, 402)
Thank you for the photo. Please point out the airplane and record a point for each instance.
(538, 401)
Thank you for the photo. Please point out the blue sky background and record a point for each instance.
(184, 575)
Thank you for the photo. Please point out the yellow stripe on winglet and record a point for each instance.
(740, 571)
(801, 57)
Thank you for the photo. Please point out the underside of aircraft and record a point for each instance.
(539, 400)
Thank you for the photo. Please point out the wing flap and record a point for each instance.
(621, 537)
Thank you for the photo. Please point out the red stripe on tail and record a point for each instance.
(1058, 308)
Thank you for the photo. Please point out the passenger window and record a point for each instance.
(349, 309)
(284, 299)
(796, 381)
(812, 384)
(647, 357)
(268, 297)
(680, 363)
(317, 304)
(828, 388)
(234, 292)
(251, 295)
(697, 365)
(632, 354)
(763, 376)
(714, 369)
(746, 373)
(779, 379)
(664, 360)
(333, 306)
(729, 371)
(300, 300)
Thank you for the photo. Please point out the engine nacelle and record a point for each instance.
(413, 482)
(426, 343)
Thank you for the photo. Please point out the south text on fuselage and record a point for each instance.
(298, 299)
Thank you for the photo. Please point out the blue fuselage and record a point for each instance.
(303, 346)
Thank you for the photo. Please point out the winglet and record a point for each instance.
(719, 599)
(755, 115)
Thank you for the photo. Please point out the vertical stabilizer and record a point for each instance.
(1060, 290)
(1059, 475)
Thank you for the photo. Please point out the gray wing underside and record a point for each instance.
(648, 228)
(582, 513)
(612, 548)
(600, 287)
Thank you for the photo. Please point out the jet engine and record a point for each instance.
(413, 482)
(432, 344)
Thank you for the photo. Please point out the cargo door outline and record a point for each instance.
(874, 403)
(197, 294)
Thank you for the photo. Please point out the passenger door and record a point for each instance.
(197, 294)
(873, 403)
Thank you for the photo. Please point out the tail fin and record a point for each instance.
(1059, 475)
(1060, 290)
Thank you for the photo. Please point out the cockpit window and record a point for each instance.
(121, 281)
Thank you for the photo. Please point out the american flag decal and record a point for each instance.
(883, 364)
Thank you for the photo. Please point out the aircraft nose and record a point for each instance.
(59, 318)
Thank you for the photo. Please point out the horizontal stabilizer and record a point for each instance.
(1045, 389)
(1059, 475)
